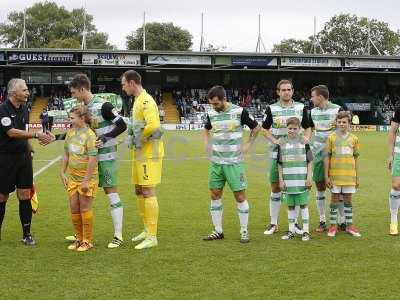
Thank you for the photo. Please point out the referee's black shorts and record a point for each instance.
(15, 172)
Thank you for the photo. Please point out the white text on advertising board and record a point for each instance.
(110, 59)
(310, 61)
(369, 63)
(179, 60)
(41, 57)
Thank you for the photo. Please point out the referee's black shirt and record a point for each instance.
(12, 117)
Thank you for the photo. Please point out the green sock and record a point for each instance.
(334, 212)
(348, 212)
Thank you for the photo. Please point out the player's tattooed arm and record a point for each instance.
(207, 141)
(247, 119)
(266, 127)
(307, 135)
(252, 137)
(269, 136)
(282, 185)
(253, 134)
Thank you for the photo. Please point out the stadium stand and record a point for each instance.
(37, 108)
(170, 109)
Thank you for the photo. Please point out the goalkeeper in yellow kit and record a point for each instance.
(145, 134)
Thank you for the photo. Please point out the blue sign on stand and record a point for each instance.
(255, 61)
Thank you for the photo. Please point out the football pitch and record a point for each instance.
(185, 267)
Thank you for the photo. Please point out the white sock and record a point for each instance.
(274, 206)
(394, 202)
(306, 219)
(243, 211)
(321, 205)
(216, 214)
(117, 213)
(291, 218)
(297, 210)
(341, 214)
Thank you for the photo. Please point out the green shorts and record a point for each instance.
(108, 173)
(296, 199)
(273, 171)
(318, 169)
(234, 174)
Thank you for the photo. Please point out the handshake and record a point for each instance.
(45, 138)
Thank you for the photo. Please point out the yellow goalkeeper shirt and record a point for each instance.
(145, 110)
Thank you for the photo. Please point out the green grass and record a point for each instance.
(185, 267)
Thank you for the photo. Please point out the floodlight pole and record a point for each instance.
(23, 40)
(202, 33)
(316, 42)
(84, 33)
(260, 42)
(370, 42)
(314, 46)
(144, 31)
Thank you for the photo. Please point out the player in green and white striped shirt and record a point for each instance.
(294, 166)
(323, 123)
(274, 128)
(223, 133)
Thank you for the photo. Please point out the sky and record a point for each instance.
(232, 24)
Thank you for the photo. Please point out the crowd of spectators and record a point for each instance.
(193, 101)
(387, 106)
(56, 103)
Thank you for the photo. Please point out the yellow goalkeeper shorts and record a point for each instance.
(147, 172)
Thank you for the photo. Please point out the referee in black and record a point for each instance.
(16, 154)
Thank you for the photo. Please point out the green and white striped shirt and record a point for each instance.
(101, 126)
(227, 133)
(293, 156)
(324, 122)
(276, 117)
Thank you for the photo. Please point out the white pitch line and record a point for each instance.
(166, 158)
(51, 162)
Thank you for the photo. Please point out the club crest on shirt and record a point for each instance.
(5, 121)
(280, 122)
